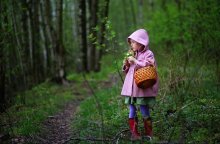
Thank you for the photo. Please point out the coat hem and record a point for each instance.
(139, 96)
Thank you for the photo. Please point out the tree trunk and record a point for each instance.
(125, 13)
(76, 28)
(29, 52)
(93, 21)
(83, 34)
(19, 48)
(2, 78)
(37, 57)
(178, 2)
(2, 60)
(104, 15)
(44, 40)
(217, 71)
(133, 13)
(8, 57)
(25, 42)
(151, 3)
(60, 76)
(140, 12)
(50, 34)
(163, 5)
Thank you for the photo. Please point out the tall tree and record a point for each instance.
(44, 40)
(3, 21)
(93, 22)
(133, 13)
(103, 15)
(37, 52)
(140, 12)
(83, 34)
(50, 36)
(59, 48)
(19, 48)
(25, 40)
(2, 77)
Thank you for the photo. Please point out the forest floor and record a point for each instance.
(56, 129)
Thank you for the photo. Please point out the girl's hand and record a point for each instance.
(131, 60)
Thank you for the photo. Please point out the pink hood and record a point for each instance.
(140, 36)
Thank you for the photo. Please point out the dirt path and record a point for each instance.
(57, 128)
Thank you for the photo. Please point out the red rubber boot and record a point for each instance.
(148, 128)
(133, 129)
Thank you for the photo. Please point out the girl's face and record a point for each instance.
(135, 45)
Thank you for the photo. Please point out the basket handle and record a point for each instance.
(152, 65)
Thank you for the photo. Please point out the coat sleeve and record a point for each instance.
(148, 60)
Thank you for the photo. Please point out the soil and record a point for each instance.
(57, 128)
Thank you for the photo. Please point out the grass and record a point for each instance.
(88, 118)
(46, 99)
(194, 99)
(41, 101)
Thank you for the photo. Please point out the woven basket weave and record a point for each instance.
(145, 77)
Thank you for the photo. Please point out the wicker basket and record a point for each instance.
(145, 77)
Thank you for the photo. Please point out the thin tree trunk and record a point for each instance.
(76, 34)
(25, 41)
(30, 43)
(102, 37)
(8, 56)
(163, 5)
(140, 12)
(133, 13)
(20, 76)
(2, 79)
(83, 34)
(51, 36)
(178, 2)
(37, 57)
(125, 13)
(217, 71)
(59, 49)
(45, 45)
(2, 60)
(93, 21)
(151, 3)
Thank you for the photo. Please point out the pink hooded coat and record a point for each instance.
(144, 58)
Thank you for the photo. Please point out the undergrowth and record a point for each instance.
(187, 109)
(42, 101)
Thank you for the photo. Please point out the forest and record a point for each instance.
(61, 70)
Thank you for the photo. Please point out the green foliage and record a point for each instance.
(185, 41)
(89, 121)
(188, 101)
(184, 36)
(42, 101)
(187, 106)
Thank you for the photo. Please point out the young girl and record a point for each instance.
(134, 96)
